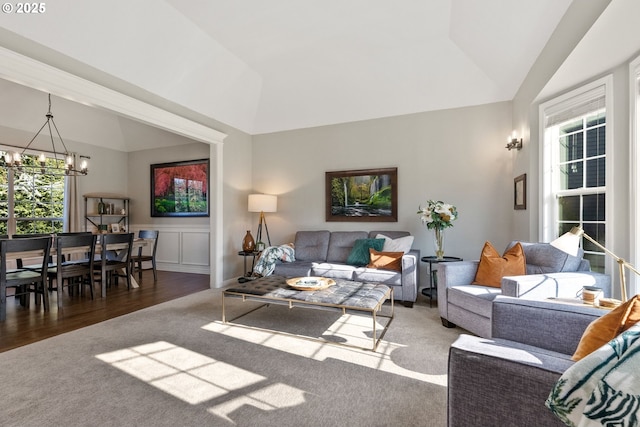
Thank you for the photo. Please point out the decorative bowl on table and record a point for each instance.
(310, 283)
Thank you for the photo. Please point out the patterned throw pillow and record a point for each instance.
(602, 388)
(359, 255)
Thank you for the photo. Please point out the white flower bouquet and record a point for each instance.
(438, 215)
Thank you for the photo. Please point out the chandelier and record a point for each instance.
(59, 162)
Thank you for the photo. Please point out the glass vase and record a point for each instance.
(438, 242)
(248, 244)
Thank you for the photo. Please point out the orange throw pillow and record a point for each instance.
(493, 267)
(604, 329)
(385, 260)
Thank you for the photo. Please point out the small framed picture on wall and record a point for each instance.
(520, 192)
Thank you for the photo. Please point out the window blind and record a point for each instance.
(577, 106)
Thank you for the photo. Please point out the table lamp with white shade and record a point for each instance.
(569, 243)
(263, 203)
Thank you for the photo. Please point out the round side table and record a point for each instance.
(432, 290)
(247, 273)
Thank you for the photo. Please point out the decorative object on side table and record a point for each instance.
(248, 244)
(437, 216)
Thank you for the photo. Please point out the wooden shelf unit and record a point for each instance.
(115, 210)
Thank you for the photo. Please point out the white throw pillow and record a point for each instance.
(401, 244)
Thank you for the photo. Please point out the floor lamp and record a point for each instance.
(262, 203)
(569, 243)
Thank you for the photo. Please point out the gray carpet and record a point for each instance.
(176, 364)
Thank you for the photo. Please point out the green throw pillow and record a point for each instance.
(360, 253)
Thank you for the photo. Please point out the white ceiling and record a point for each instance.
(339, 61)
(285, 64)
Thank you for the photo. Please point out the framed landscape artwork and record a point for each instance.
(362, 195)
(180, 188)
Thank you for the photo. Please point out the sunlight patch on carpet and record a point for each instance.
(316, 350)
(270, 398)
(182, 373)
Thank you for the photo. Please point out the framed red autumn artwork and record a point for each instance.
(180, 188)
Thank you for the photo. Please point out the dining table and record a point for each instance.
(115, 247)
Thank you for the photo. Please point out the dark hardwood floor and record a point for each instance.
(27, 325)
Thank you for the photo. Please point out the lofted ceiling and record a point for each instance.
(285, 64)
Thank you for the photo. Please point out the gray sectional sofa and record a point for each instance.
(505, 380)
(550, 273)
(324, 253)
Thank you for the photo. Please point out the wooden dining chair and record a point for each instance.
(113, 259)
(139, 258)
(19, 261)
(77, 272)
(24, 282)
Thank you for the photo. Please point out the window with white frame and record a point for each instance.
(574, 153)
(30, 202)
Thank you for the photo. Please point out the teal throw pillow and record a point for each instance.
(360, 253)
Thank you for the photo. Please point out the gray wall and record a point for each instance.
(456, 155)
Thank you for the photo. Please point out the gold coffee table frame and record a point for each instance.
(245, 294)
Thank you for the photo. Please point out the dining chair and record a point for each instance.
(19, 261)
(109, 264)
(25, 281)
(77, 272)
(137, 260)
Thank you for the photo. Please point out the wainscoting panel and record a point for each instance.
(168, 251)
(182, 249)
(195, 249)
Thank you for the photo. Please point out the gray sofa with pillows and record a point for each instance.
(505, 380)
(550, 273)
(331, 254)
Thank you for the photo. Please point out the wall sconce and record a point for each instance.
(513, 142)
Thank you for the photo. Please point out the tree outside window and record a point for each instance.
(31, 202)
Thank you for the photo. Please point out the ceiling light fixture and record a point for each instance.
(61, 163)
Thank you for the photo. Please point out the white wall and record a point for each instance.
(457, 156)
